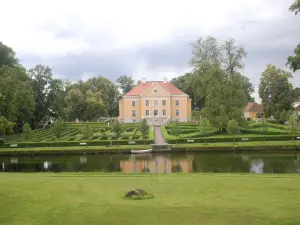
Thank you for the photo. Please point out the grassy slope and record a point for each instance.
(216, 199)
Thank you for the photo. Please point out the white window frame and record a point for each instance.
(147, 110)
(133, 114)
(133, 103)
(177, 112)
(177, 100)
(155, 102)
(164, 101)
(164, 110)
(155, 91)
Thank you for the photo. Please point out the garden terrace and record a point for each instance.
(253, 132)
(72, 135)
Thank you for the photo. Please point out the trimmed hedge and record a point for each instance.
(249, 131)
(231, 139)
(76, 143)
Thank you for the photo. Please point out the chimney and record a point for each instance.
(144, 80)
(165, 80)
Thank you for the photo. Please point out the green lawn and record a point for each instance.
(215, 199)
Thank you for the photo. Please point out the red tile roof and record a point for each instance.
(253, 107)
(140, 88)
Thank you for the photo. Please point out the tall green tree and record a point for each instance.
(217, 78)
(6, 127)
(185, 83)
(126, 83)
(7, 56)
(84, 105)
(276, 91)
(45, 88)
(109, 93)
(17, 97)
(294, 61)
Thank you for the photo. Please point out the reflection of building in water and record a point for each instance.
(257, 166)
(157, 164)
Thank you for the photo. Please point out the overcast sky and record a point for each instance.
(144, 38)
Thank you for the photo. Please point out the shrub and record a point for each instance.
(27, 133)
(1, 142)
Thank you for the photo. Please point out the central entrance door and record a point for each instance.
(155, 113)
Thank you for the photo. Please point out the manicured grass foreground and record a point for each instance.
(216, 199)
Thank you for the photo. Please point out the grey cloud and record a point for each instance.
(266, 41)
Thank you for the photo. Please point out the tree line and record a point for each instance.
(218, 88)
(34, 95)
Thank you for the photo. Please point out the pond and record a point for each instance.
(155, 163)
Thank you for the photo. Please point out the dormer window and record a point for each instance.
(155, 91)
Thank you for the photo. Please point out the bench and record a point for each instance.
(131, 142)
(189, 141)
(83, 144)
(245, 139)
(13, 146)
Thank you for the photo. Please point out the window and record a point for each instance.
(177, 112)
(133, 112)
(133, 103)
(147, 103)
(147, 113)
(155, 91)
(177, 102)
(164, 102)
(155, 102)
(155, 112)
(164, 112)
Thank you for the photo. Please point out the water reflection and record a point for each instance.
(257, 166)
(155, 163)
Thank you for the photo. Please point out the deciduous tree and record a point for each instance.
(294, 61)
(7, 56)
(217, 78)
(126, 83)
(276, 91)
